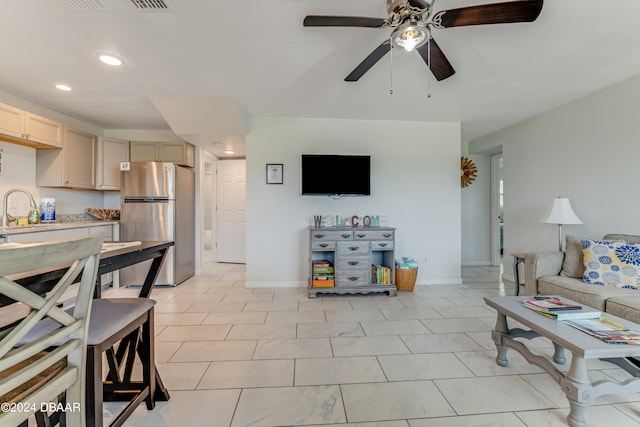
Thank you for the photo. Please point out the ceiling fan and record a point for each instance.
(412, 21)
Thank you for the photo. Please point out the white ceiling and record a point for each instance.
(258, 53)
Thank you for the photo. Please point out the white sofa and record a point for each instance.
(560, 273)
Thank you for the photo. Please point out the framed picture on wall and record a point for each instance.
(275, 173)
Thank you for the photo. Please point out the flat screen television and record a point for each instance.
(331, 174)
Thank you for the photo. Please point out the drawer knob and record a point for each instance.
(387, 235)
(354, 278)
(382, 245)
(346, 236)
(323, 245)
(318, 236)
(354, 262)
(354, 248)
(361, 235)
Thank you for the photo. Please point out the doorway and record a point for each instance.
(209, 208)
(497, 210)
(231, 211)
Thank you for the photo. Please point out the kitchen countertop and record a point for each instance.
(62, 225)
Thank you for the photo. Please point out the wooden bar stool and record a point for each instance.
(127, 322)
(53, 363)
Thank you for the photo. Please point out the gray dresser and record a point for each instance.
(352, 252)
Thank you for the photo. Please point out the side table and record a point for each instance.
(518, 258)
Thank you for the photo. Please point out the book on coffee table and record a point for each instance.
(557, 309)
(606, 330)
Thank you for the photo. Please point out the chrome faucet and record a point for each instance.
(5, 217)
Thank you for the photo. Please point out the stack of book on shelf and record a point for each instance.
(556, 309)
(606, 330)
(322, 274)
(380, 275)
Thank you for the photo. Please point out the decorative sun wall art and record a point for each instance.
(469, 172)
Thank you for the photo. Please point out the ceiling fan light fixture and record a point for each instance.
(410, 35)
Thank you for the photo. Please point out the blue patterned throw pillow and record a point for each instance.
(611, 264)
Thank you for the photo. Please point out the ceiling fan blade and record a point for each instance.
(343, 21)
(440, 65)
(369, 62)
(495, 13)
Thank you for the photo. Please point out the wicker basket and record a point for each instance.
(406, 278)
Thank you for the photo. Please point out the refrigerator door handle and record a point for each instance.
(145, 200)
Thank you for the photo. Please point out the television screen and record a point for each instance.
(326, 174)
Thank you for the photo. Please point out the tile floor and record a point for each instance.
(235, 357)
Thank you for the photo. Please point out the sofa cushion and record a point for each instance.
(573, 264)
(626, 307)
(576, 290)
(611, 263)
(629, 238)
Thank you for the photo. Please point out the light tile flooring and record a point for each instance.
(238, 357)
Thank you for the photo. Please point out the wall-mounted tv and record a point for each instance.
(331, 174)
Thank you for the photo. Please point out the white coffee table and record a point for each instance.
(575, 383)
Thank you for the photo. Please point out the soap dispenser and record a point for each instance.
(34, 215)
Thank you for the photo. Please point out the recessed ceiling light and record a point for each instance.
(228, 151)
(110, 59)
(63, 87)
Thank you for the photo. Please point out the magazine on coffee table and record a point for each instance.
(560, 310)
(606, 330)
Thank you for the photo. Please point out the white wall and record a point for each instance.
(415, 182)
(476, 215)
(587, 150)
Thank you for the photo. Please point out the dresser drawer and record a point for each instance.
(353, 248)
(317, 235)
(381, 245)
(351, 263)
(373, 235)
(323, 246)
(353, 278)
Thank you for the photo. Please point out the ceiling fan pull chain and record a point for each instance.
(391, 68)
(429, 64)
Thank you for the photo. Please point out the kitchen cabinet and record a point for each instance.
(110, 153)
(181, 153)
(72, 166)
(24, 128)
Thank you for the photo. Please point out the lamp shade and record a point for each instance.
(562, 213)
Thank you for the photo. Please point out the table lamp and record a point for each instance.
(562, 213)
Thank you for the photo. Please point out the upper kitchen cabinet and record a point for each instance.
(110, 153)
(181, 153)
(24, 128)
(72, 166)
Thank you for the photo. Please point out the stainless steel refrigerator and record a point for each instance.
(157, 202)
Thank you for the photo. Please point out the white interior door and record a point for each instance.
(231, 215)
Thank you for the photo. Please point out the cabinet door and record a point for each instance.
(79, 153)
(47, 236)
(41, 130)
(144, 151)
(171, 152)
(110, 153)
(11, 121)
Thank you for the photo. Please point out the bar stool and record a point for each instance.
(129, 322)
(34, 373)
